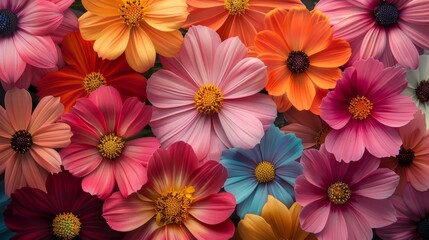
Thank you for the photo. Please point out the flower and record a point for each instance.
(344, 200)
(418, 86)
(181, 200)
(391, 31)
(64, 212)
(102, 150)
(302, 57)
(231, 18)
(283, 103)
(412, 211)
(139, 28)
(268, 168)
(276, 222)
(85, 72)
(207, 96)
(412, 161)
(368, 107)
(4, 202)
(28, 140)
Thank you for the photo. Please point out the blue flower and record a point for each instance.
(269, 168)
(5, 233)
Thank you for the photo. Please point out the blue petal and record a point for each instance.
(283, 192)
(289, 172)
(240, 187)
(237, 168)
(254, 203)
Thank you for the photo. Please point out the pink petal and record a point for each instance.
(18, 105)
(403, 48)
(338, 10)
(47, 158)
(47, 111)
(69, 24)
(35, 176)
(40, 18)
(109, 102)
(359, 227)
(80, 160)
(418, 33)
(380, 184)
(12, 66)
(90, 115)
(306, 134)
(39, 51)
(199, 230)
(6, 128)
(395, 111)
(133, 117)
(6, 154)
(307, 193)
(81, 132)
(415, 12)
(208, 179)
(313, 217)
(379, 140)
(373, 43)
(56, 135)
(353, 26)
(63, 4)
(338, 142)
(147, 231)
(377, 213)
(390, 81)
(141, 149)
(368, 78)
(14, 176)
(101, 181)
(334, 111)
(130, 175)
(336, 226)
(214, 209)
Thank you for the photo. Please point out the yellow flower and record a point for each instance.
(141, 28)
(276, 222)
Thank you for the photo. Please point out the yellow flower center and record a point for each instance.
(265, 172)
(236, 7)
(132, 13)
(92, 81)
(321, 136)
(172, 207)
(360, 107)
(66, 226)
(339, 193)
(111, 146)
(208, 99)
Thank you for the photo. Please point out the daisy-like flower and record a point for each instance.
(64, 212)
(276, 222)
(302, 57)
(268, 168)
(231, 18)
(368, 107)
(140, 28)
(389, 30)
(181, 200)
(344, 200)
(412, 161)
(207, 96)
(418, 86)
(283, 103)
(102, 150)
(28, 140)
(85, 72)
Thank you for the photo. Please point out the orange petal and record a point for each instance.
(238, 26)
(91, 25)
(18, 106)
(254, 227)
(321, 36)
(273, 60)
(46, 112)
(315, 106)
(277, 215)
(112, 41)
(103, 7)
(213, 17)
(140, 52)
(78, 52)
(282, 102)
(325, 78)
(166, 44)
(300, 91)
(297, 28)
(166, 15)
(335, 55)
(278, 81)
(274, 19)
(268, 41)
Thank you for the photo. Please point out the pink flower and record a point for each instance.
(368, 107)
(181, 200)
(207, 96)
(28, 141)
(389, 30)
(101, 150)
(344, 200)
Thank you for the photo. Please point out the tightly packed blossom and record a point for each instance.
(344, 200)
(207, 96)
(302, 57)
(180, 201)
(101, 150)
(139, 28)
(368, 107)
(28, 140)
(393, 31)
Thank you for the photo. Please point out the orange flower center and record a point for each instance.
(132, 13)
(21, 141)
(172, 207)
(208, 99)
(360, 107)
(66, 226)
(111, 146)
(321, 136)
(339, 193)
(92, 81)
(236, 7)
(265, 172)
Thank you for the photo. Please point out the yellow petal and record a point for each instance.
(112, 41)
(296, 231)
(140, 52)
(91, 25)
(277, 215)
(254, 227)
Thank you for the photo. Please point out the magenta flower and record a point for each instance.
(367, 106)
(389, 30)
(207, 96)
(101, 150)
(344, 200)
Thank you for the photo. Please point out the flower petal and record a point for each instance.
(18, 107)
(101, 181)
(380, 184)
(140, 52)
(403, 48)
(12, 67)
(47, 111)
(38, 51)
(214, 209)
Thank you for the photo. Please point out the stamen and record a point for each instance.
(339, 193)
(172, 207)
(132, 13)
(66, 226)
(208, 99)
(93, 81)
(236, 7)
(111, 146)
(265, 172)
(360, 107)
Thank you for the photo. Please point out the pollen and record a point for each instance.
(236, 7)
(360, 107)
(172, 207)
(132, 13)
(339, 193)
(93, 81)
(208, 99)
(265, 172)
(111, 146)
(66, 226)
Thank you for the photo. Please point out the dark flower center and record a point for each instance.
(8, 22)
(423, 228)
(422, 91)
(386, 14)
(21, 141)
(297, 61)
(405, 157)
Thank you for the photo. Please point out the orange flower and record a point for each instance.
(283, 103)
(230, 18)
(301, 54)
(85, 72)
(141, 28)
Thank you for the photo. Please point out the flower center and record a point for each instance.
(339, 193)
(21, 141)
(132, 13)
(208, 99)
(236, 7)
(8, 22)
(92, 81)
(172, 207)
(422, 91)
(423, 228)
(111, 146)
(66, 226)
(405, 157)
(360, 107)
(297, 61)
(321, 136)
(386, 14)
(265, 172)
